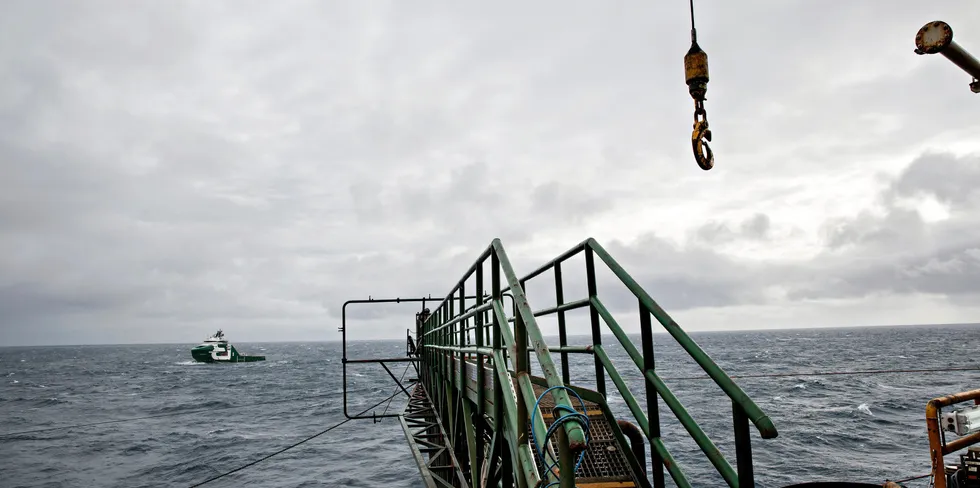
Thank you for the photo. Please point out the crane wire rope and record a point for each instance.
(829, 373)
(170, 414)
(396, 388)
(291, 446)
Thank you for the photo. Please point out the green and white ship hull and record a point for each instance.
(216, 349)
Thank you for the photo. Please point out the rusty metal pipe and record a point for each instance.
(635, 435)
(937, 37)
(937, 444)
(963, 442)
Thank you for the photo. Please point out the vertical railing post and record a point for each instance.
(427, 351)
(600, 375)
(443, 362)
(452, 385)
(653, 405)
(562, 333)
(521, 368)
(480, 378)
(524, 351)
(566, 461)
(501, 453)
(462, 340)
(743, 447)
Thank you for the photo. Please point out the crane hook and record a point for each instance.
(699, 141)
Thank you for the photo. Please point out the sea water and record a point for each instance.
(845, 427)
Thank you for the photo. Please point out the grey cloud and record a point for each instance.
(170, 168)
(951, 180)
(898, 225)
(555, 200)
(679, 279)
(898, 252)
(756, 227)
(894, 253)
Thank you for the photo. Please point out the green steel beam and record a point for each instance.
(460, 318)
(561, 308)
(672, 467)
(573, 429)
(489, 350)
(624, 390)
(703, 441)
(445, 339)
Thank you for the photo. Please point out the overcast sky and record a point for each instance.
(168, 168)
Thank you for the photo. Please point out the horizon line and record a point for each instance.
(656, 332)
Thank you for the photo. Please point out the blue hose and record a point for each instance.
(572, 414)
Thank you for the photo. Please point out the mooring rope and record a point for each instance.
(171, 414)
(314, 436)
(910, 478)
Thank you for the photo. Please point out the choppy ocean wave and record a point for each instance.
(861, 428)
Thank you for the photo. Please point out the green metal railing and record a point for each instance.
(743, 408)
(464, 333)
(447, 347)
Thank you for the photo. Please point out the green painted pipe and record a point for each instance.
(574, 429)
(623, 390)
(540, 429)
(670, 463)
(527, 465)
(703, 441)
(692, 427)
(460, 318)
(561, 308)
(489, 350)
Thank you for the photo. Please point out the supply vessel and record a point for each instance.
(217, 349)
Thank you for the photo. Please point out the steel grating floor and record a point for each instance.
(605, 464)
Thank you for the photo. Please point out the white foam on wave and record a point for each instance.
(865, 408)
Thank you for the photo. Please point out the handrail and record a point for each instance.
(744, 409)
(445, 342)
(762, 421)
(700, 438)
(444, 337)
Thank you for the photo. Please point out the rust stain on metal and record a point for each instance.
(577, 447)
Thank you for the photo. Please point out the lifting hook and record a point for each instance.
(699, 140)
